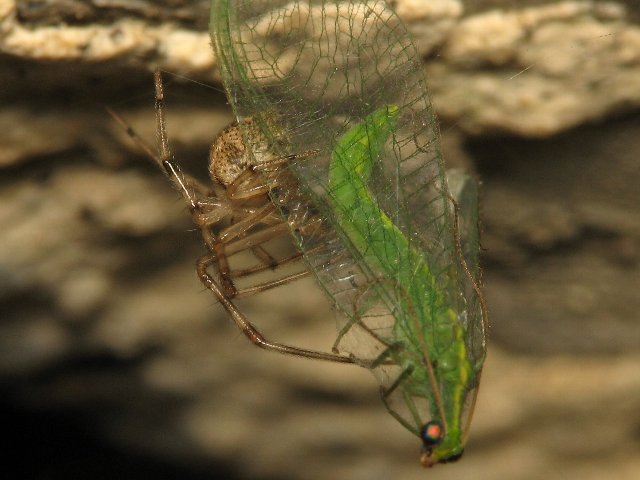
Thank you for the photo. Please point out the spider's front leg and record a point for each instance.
(248, 329)
(257, 227)
(248, 177)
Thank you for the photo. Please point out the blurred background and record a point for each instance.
(115, 362)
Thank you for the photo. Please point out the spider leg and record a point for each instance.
(247, 186)
(197, 185)
(235, 239)
(182, 182)
(241, 236)
(266, 265)
(250, 184)
(224, 251)
(245, 292)
(266, 258)
(240, 227)
(208, 210)
(205, 206)
(260, 268)
(253, 241)
(248, 329)
(272, 165)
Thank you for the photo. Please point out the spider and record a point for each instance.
(234, 214)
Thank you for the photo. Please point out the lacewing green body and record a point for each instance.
(432, 340)
(397, 247)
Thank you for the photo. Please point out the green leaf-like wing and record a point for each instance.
(308, 73)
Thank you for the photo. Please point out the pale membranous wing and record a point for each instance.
(308, 72)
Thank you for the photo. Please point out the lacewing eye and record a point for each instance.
(432, 433)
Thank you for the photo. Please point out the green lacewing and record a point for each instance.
(397, 249)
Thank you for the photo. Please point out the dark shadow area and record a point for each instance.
(58, 445)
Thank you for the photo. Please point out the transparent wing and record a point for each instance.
(464, 190)
(307, 72)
